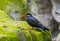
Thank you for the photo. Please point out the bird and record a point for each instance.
(32, 21)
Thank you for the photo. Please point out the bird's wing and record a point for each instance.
(32, 21)
(33, 18)
(35, 23)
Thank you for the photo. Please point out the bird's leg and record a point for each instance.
(34, 28)
(30, 28)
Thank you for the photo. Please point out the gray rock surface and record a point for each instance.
(44, 11)
(56, 11)
(56, 15)
(58, 37)
(36, 10)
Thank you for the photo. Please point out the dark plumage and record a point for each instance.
(34, 22)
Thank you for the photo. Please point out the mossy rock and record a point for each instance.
(4, 16)
(11, 30)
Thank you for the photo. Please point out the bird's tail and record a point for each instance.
(42, 27)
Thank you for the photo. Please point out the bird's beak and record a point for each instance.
(23, 16)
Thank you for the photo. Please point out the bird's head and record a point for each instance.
(26, 14)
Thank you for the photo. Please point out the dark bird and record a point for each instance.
(32, 21)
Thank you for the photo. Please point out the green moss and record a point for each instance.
(4, 16)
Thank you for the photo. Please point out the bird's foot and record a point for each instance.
(30, 28)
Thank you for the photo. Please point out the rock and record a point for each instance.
(59, 26)
(43, 12)
(56, 15)
(58, 37)
(44, 6)
(56, 10)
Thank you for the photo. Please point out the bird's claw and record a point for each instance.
(30, 28)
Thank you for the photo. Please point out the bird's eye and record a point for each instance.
(28, 15)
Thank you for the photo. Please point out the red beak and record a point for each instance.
(23, 15)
